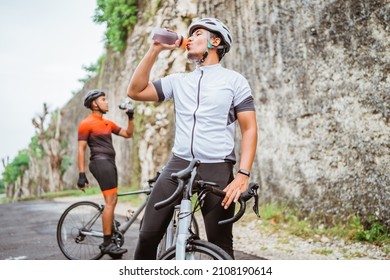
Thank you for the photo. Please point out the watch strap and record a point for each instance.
(245, 172)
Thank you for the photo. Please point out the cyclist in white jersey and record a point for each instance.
(208, 102)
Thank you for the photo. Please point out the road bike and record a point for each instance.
(79, 229)
(187, 245)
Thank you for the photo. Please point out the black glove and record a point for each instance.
(129, 109)
(130, 112)
(82, 180)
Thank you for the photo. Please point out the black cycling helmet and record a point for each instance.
(91, 96)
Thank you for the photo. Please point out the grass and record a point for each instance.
(135, 200)
(324, 252)
(93, 190)
(278, 217)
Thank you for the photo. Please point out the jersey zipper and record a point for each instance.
(194, 115)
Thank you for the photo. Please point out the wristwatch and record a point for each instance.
(245, 172)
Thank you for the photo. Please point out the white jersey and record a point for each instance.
(206, 102)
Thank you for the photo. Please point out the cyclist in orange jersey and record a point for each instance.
(95, 132)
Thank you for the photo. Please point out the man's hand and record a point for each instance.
(235, 189)
(129, 109)
(83, 181)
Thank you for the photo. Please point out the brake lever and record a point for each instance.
(256, 205)
(253, 191)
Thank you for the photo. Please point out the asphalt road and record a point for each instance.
(28, 231)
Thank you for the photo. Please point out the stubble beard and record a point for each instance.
(192, 57)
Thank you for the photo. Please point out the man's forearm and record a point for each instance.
(248, 125)
(81, 161)
(141, 75)
(130, 128)
(248, 149)
(81, 155)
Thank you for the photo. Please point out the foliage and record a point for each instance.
(16, 168)
(93, 69)
(120, 17)
(2, 186)
(152, 10)
(65, 163)
(287, 218)
(94, 190)
(374, 233)
(36, 148)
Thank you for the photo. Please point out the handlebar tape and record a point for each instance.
(251, 192)
(170, 199)
(185, 174)
(238, 215)
(182, 176)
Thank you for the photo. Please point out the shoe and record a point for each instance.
(112, 249)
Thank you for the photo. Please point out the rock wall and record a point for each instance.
(319, 71)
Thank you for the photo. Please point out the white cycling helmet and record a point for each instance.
(213, 25)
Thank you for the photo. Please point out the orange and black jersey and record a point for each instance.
(97, 132)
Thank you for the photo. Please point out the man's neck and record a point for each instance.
(211, 59)
(97, 113)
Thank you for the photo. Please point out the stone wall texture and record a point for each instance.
(319, 71)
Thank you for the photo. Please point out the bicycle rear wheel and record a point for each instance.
(79, 231)
(199, 250)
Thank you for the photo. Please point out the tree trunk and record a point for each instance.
(52, 148)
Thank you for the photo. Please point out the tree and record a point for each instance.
(13, 174)
(52, 147)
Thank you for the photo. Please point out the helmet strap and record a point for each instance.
(204, 56)
(100, 109)
(206, 52)
(209, 45)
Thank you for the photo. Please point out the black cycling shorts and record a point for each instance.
(104, 171)
(155, 221)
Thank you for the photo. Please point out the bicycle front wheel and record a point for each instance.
(79, 231)
(170, 237)
(199, 250)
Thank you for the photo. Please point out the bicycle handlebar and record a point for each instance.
(182, 176)
(170, 199)
(185, 174)
(189, 174)
(251, 192)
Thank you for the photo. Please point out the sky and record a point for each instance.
(44, 45)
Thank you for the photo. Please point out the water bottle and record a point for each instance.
(168, 37)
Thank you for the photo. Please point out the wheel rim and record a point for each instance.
(72, 242)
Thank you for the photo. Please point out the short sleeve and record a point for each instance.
(83, 132)
(164, 87)
(115, 128)
(242, 90)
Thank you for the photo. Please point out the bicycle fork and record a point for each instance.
(184, 225)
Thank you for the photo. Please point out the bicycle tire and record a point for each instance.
(73, 244)
(199, 250)
(162, 246)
